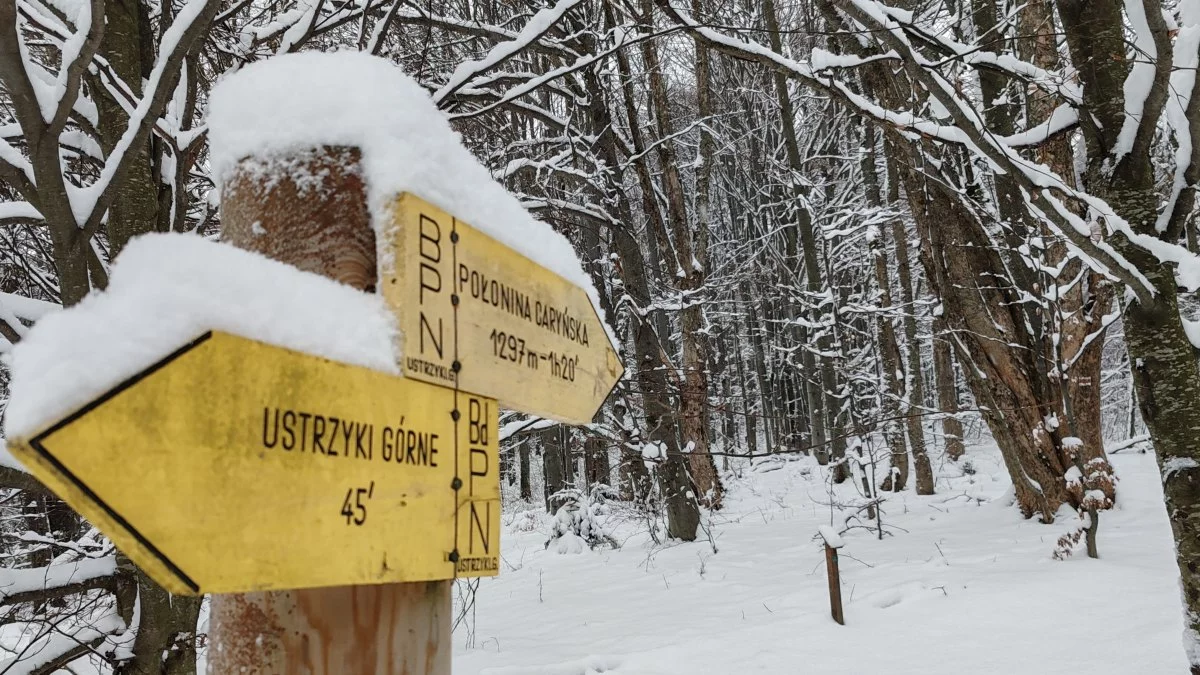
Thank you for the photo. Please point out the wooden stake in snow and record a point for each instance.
(833, 541)
(309, 209)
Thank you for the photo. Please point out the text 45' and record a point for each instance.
(354, 506)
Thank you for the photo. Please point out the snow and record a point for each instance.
(6, 458)
(71, 49)
(509, 429)
(21, 210)
(1073, 476)
(653, 452)
(537, 25)
(167, 289)
(44, 650)
(299, 101)
(1061, 118)
(27, 308)
(1185, 61)
(13, 581)
(820, 59)
(1140, 79)
(831, 537)
(84, 200)
(963, 584)
(1176, 464)
(1192, 330)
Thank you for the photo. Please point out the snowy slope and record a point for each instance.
(963, 586)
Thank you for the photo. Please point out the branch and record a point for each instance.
(41, 595)
(16, 171)
(16, 479)
(534, 30)
(80, 648)
(379, 32)
(421, 17)
(191, 23)
(36, 579)
(49, 653)
(70, 74)
(293, 38)
(1151, 65)
(968, 131)
(16, 78)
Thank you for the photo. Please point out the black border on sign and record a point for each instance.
(37, 444)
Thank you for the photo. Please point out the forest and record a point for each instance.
(865, 235)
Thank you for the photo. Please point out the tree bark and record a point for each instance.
(690, 277)
(525, 485)
(128, 47)
(914, 381)
(984, 317)
(822, 399)
(889, 351)
(1163, 361)
(1081, 309)
(683, 514)
(947, 389)
(596, 464)
(554, 467)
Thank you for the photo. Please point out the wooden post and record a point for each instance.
(310, 210)
(832, 543)
(835, 584)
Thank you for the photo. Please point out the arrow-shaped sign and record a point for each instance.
(232, 466)
(476, 312)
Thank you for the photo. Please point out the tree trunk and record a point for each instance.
(822, 400)
(889, 351)
(1167, 383)
(167, 622)
(688, 253)
(1081, 309)
(554, 468)
(683, 514)
(128, 48)
(914, 381)
(596, 465)
(947, 389)
(957, 254)
(526, 487)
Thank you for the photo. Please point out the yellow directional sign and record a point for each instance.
(234, 466)
(476, 312)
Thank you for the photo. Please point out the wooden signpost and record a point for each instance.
(368, 465)
(329, 506)
(833, 541)
(478, 314)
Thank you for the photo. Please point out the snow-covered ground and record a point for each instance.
(962, 585)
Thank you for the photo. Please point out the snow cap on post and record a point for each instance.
(358, 100)
(166, 290)
(831, 537)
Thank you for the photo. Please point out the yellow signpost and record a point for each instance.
(233, 466)
(476, 312)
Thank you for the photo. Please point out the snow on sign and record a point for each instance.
(261, 468)
(474, 309)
